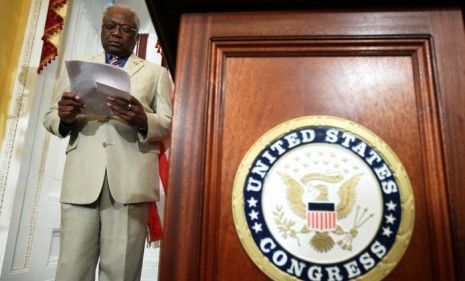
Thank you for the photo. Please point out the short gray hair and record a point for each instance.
(124, 7)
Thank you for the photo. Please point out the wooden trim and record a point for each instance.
(141, 46)
(433, 162)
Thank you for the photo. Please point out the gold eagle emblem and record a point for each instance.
(322, 241)
(295, 192)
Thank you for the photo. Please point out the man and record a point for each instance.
(111, 167)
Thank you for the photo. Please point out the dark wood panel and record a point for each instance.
(414, 44)
(372, 82)
(450, 56)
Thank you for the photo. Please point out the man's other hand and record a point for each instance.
(131, 111)
(69, 106)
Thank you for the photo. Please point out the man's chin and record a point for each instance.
(115, 51)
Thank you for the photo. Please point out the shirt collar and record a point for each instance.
(122, 60)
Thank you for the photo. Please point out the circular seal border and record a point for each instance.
(404, 233)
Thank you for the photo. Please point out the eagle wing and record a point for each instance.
(294, 195)
(347, 196)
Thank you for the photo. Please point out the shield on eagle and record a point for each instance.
(321, 216)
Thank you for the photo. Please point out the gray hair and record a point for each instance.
(124, 7)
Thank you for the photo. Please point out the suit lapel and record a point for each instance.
(133, 65)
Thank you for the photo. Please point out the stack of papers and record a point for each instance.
(94, 82)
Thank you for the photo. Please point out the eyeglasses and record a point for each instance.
(110, 27)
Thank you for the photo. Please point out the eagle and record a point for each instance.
(321, 241)
(346, 192)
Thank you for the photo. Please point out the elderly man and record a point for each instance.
(111, 167)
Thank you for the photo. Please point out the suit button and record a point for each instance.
(104, 144)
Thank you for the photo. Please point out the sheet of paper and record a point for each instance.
(95, 81)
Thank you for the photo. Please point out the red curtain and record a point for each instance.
(53, 25)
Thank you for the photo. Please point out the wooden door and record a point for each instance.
(399, 73)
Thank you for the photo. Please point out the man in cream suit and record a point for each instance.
(111, 169)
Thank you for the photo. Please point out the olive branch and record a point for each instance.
(285, 225)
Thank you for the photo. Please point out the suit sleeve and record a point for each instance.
(159, 122)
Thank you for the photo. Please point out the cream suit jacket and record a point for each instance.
(100, 144)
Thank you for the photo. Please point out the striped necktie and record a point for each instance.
(114, 61)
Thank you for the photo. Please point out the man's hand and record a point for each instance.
(130, 111)
(69, 106)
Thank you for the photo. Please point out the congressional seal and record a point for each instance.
(322, 198)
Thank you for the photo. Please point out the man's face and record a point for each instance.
(119, 34)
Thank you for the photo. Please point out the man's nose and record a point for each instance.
(117, 31)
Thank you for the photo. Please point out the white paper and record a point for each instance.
(94, 82)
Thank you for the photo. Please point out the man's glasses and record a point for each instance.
(110, 27)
